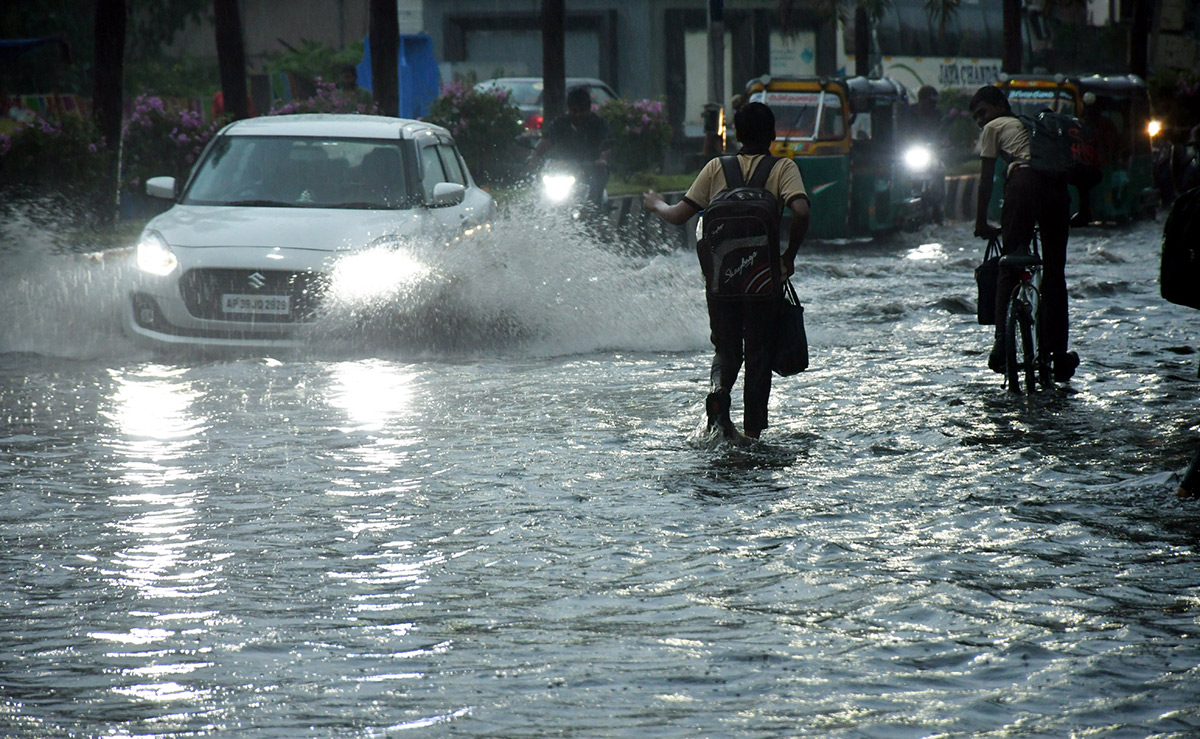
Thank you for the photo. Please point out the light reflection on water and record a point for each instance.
(520, 540)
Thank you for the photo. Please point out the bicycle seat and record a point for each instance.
(1020, 260)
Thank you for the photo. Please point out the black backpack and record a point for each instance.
(1062, 147)
(739, 251)
(1180, 275)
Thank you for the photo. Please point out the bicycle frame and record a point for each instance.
(1022, 330)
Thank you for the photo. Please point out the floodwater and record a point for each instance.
(484, 509)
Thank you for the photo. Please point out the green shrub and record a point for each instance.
(329, 99)
(485, 124)
(44, 155)
(641, 135)
(960, 128)
(1175, 95)
(181, 77)
(312, 62)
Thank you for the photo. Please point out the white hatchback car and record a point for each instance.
(246, 254)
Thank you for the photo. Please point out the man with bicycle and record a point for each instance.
(1031, 199)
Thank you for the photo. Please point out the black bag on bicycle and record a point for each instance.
(1180, 274)
(791, 343)
(985, 279)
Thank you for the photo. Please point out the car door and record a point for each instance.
(441, 162)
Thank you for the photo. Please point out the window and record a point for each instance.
(431, 169)
(451, 164)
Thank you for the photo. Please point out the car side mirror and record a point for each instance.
(447, 194)
(161, 187)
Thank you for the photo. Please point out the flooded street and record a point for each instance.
(483, 509)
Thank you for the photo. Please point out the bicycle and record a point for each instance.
(1023, 353)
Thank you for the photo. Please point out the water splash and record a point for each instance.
(528, 284)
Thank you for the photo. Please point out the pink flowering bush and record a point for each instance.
(159, 140)
(51, 154)
(485, 125)
(641, 135)
(329, 99)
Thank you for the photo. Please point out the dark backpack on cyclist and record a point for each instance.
(1062, 147)
(1180, 275)
(739, 251)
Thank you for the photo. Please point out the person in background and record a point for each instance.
(1189, 487)
(1031, 199)
(349, 90)
(743, 330)
(581, 137)
(928, 126)
(928, 122)
(1189, 172)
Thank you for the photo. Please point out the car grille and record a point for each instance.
(202, 290)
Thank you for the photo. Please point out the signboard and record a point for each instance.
(792, 98)
(947, 73)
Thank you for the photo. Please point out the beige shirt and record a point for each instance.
(784, 183)
(1006, 137)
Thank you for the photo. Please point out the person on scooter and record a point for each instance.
(1031, 199)
(581, 137)
(927, 128)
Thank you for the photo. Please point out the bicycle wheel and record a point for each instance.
(1019, 345)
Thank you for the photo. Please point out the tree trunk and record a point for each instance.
(107, 94)
(384, 34)
(554, 65)
(862, 42)
(231, 57)
(1011, 63)
(1139, 38)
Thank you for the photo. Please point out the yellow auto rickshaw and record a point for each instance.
(842, 133)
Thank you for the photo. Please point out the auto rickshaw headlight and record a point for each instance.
(1154, 128)
(918, 158)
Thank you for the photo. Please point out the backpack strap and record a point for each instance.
(762, 172)
(733, 172)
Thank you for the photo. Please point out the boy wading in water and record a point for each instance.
(743, 330)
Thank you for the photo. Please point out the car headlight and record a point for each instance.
(918, 158)
(558, 186)
(154, 255)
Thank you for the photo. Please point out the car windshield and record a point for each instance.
(302, 172)
(1032, 102)
(806, 115)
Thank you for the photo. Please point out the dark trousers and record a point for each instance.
(1032, 199)
(1191, 478)
(745, 331)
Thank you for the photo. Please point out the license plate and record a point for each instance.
(272, 305)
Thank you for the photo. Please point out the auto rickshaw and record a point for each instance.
(1117, 112)
(842, 133)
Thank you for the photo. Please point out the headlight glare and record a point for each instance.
(154, 255)
(558, 186)
(918, 158)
